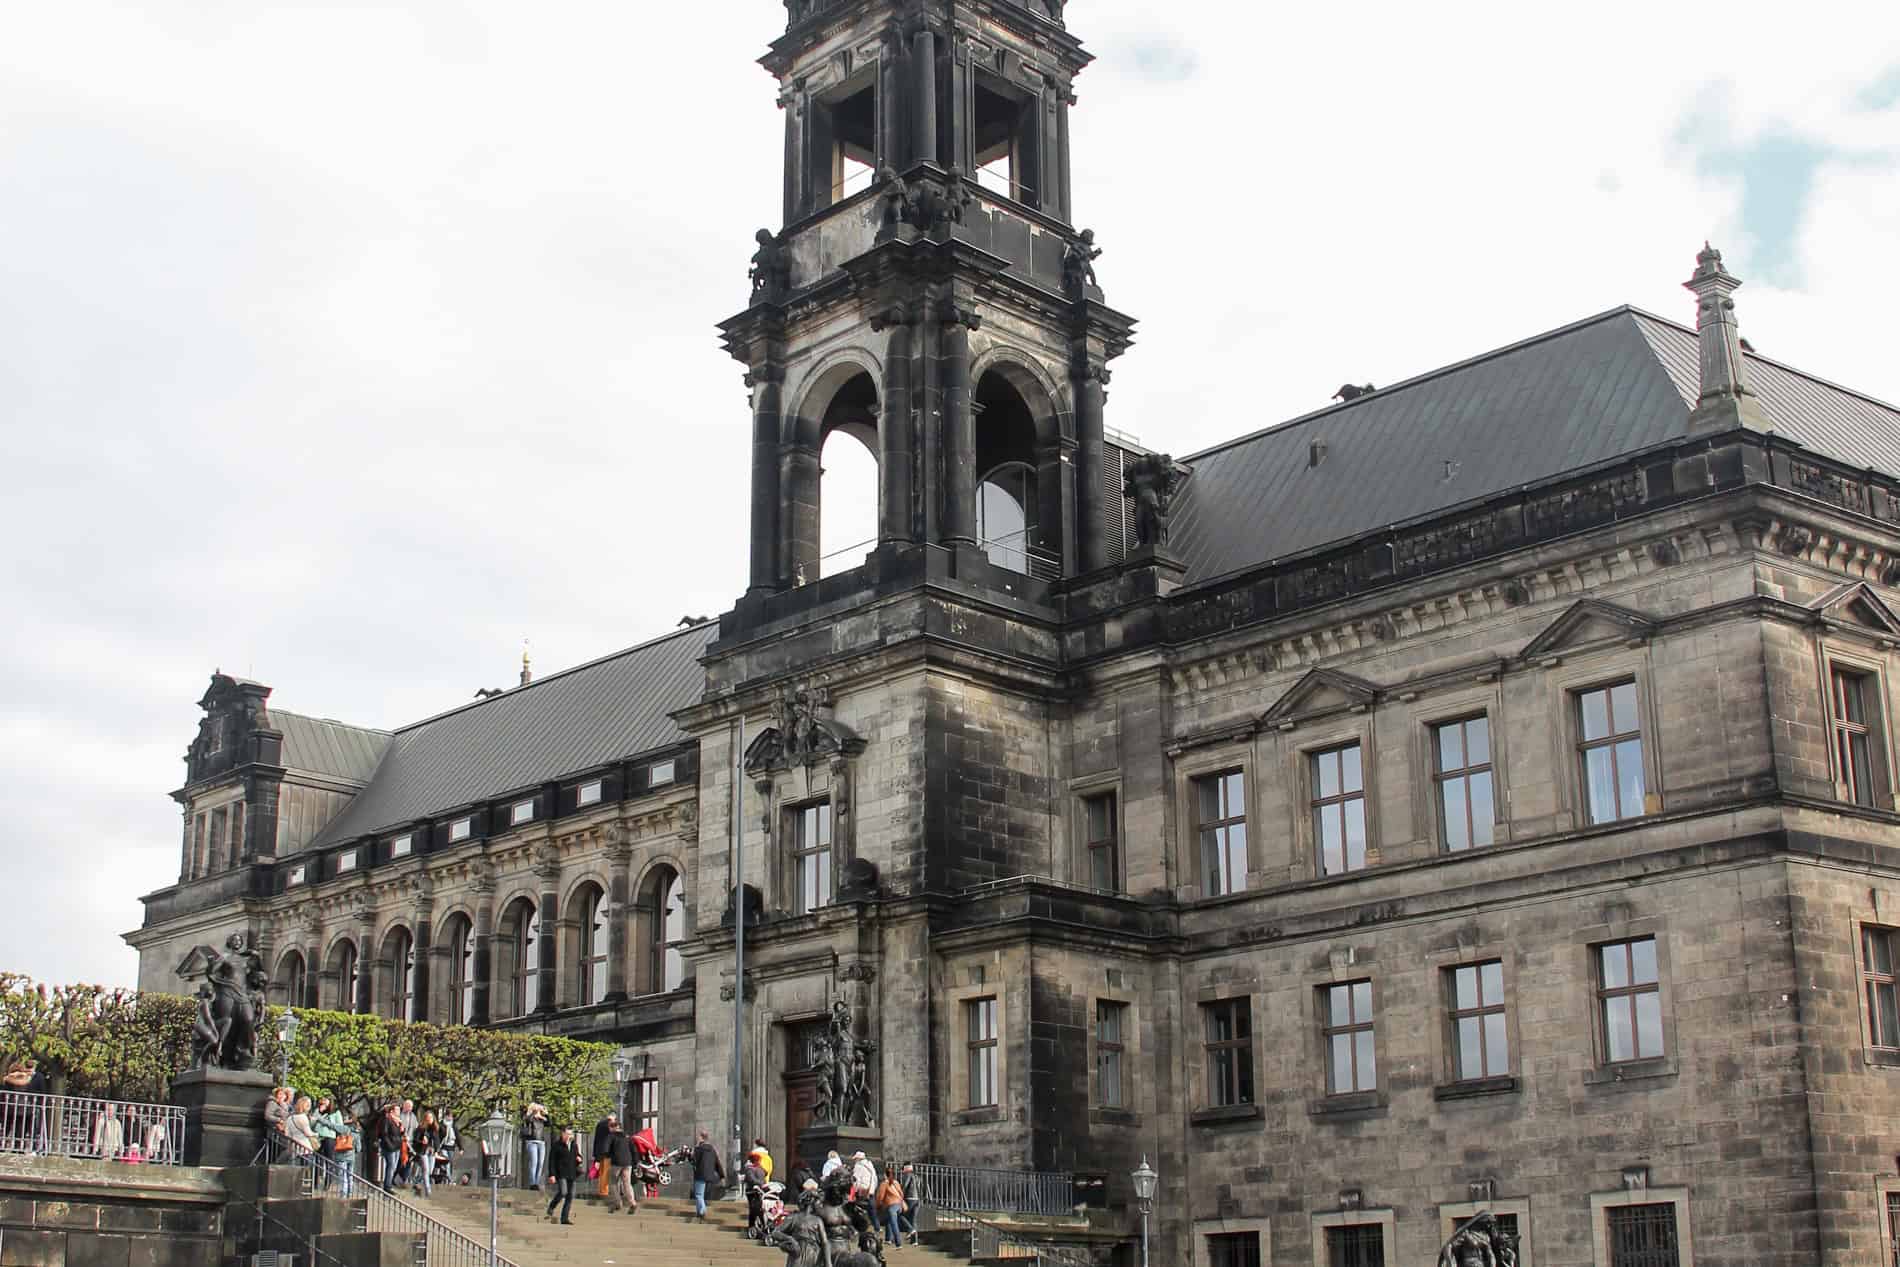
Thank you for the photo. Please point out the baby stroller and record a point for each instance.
(651, 1166)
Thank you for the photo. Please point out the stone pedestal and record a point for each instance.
(224, 1114)
(822, 1137)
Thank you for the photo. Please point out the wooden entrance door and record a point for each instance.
(801, 1096)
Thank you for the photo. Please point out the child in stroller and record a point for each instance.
(651, 1164)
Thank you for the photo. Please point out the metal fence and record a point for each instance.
(440, 1245)
(967, 1188)
(990, 1241)
(81, 1126)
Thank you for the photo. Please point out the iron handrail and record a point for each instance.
(987, 1240)
(441, 1245)
(965, 1188)
(91, 1127)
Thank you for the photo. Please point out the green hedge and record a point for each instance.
(126, 1045)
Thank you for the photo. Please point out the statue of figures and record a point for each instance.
(1480, 1241)
(771, 271)
(824, 1064)
(898, 202)
(1078, 262)
(1149, 482)
(230, 1006)
(802, 1235)
(857, 1095)
(853, 1239)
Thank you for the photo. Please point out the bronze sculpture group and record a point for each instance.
(1480, 1241)
(843, 1063)
(828, 1229)
(231, 1005)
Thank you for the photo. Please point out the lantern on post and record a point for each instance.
(286, 1039)
(622, 1065)
(499, 1137)
(1146, 1181)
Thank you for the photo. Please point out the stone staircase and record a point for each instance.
(662, 1234)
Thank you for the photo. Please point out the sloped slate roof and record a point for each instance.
(1587, 393)
(569, 721)
(321, 746)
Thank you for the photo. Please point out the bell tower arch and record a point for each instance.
(928, 232)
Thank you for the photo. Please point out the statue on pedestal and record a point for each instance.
(843, 1062)
(230, 1006)
(1149, 481)
(1480, 1241)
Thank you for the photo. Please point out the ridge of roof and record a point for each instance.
(1753, 355)
(518, 691)
(1417, 379)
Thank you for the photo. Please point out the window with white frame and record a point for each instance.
(520, 812)
(461, 829)
(1461, 759)
(1346, 1027)
(1111, 1020)
(296, 876)
(588, 793)
(346, 861)
(811, 856)
(1102, 842)
(402, 846)
(1220, 802)
(979, 1021)
(659, 773)
(1227, 1028)
(1878, 984)
(1338, 791)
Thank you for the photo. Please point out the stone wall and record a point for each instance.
(55, 1212)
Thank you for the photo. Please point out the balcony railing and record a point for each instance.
(80, 1126)
(381, 1211)
(970, 1188)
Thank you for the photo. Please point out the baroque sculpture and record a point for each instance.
(1480, 1241)
(230, 1006)
(1078, 262)
(1148, 481)
(771, 270)
(843, 1063)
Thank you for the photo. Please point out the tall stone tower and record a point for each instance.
(904, 762)
(929, 293)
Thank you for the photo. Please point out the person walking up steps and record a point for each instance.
(620, 1153)
(707, 1170)
(564, 1171)
(603, 1132)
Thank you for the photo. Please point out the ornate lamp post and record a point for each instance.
(1145, 1180)
(287, 1039)
(498, 1137)
(623, 1070)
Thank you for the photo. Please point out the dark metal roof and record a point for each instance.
(1590, 392)
(566, 722)
(321, 746)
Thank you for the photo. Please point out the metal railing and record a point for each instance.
(987, 1240)
(967, 1188)
(82, 1126)
(440, 1245)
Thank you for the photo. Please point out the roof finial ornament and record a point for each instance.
(1726, 402)
(527, 674)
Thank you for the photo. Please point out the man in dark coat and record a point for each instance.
(707, 1170)
(603, 1135)
(564, 1170)
(620, 1156)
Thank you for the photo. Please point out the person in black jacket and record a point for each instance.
(564, 1170)
(707, 1170)
(389, 1145)
(620, 1156)
(603, 1133)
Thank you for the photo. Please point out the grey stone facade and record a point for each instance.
(1625, 520)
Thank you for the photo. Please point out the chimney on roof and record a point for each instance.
(527, 674)
(1726, 402)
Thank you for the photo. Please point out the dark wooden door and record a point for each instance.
(801, 1096)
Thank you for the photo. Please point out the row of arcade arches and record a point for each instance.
(658, 929)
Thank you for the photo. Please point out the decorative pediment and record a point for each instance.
(1855, 603)
(1589, 622)
(805, 734)
(1321, 693)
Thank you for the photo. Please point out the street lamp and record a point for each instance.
(1145, 1180)
(623, 1069)
(286, 1038)
(498, 1136)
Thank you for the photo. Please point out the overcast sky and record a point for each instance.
(345, 345)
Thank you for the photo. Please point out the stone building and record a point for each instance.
(1474, 793)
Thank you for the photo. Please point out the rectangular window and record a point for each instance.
(1893, 1229)
(643, 1105)
(346, 861)
(1643, 1235)
(1629, 1000)
(1855, 708)
(1099, 825)
(219, 817)
(520, 812)
(659, 773)
(461, 829)
(1355, 1245)
(1229, 1030)
(402, 846)
(1221, 815)
(1233, 1249)
(1877, 982)
(1479, 1041)
(237, 832)
(1351, 1064)
(1109, 1020)
(1611, 747)
(811, 856)
(296, 875)
(1339, 809)
(979, 1019)
(587, 793)
(1461, 751)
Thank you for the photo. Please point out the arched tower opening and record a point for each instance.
(1019, 473)
(830, 476)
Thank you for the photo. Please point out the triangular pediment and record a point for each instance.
(193, 965)
(1855, 603)
(1321, 693)
(1589, 622)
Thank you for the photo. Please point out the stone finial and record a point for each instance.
(1726, 401)
(527, 672)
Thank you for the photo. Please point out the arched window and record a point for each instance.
(291, 978)
(399, 948)
(847, 505)
(1006, 515)
(662, 927)
(344, 969)
(673, 923)
(459, 938)
(524, 957)
(591, 964)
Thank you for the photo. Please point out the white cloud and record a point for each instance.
(344, 344)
